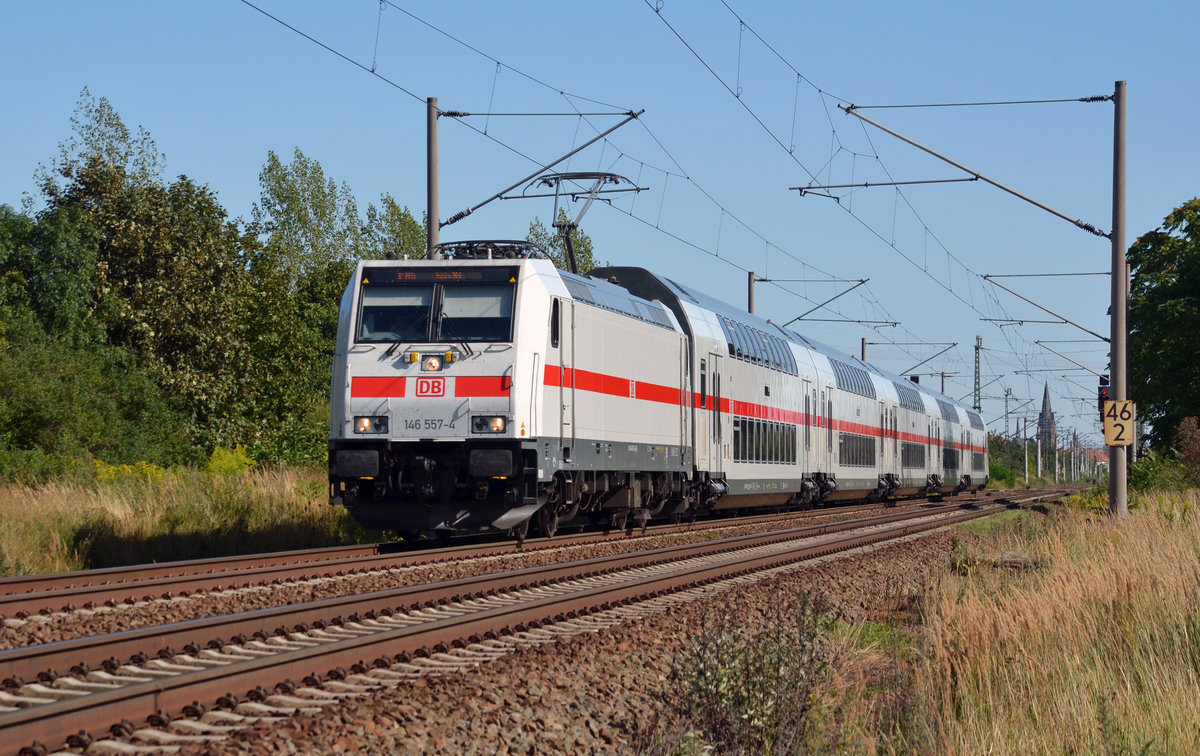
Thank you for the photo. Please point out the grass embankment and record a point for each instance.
(108, 515)
(1096, 650)
(1045, 632)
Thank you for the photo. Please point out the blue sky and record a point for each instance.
(218, 84)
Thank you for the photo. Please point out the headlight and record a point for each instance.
(488, 424)
(432, 363)
(370, 424)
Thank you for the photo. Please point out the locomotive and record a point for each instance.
(489, 389)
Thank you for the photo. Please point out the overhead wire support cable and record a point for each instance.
(827, 301)
(852, 110)
(1091, 98)
(866, 185)
(1049, 275)
(344, 57)
(1042, 344)
(464, 114)
(922, 362)
(630, 115)
(988, 278)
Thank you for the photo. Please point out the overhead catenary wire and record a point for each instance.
(867, 296)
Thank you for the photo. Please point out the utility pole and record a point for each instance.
(1039, 453)
(1007, 396)
(863, 356)
(433, 230)
(1117, 461)
(1025, 447)
(978, 405)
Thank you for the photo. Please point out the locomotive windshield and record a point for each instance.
(436, 312)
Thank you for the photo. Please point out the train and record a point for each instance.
(491, 390)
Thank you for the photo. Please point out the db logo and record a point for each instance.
(431, 387)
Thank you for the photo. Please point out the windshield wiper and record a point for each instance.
(448, 324)
(395, 344)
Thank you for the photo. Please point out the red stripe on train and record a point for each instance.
(363, 386)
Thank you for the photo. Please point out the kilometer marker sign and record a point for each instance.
(1119, 417)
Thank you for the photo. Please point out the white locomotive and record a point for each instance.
(489, 388)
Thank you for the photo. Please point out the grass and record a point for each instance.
(1096, 652)
(1046, 632)
(108, 515)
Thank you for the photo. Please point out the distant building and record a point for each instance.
(1047, 431)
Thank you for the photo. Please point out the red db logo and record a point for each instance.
(431, 387)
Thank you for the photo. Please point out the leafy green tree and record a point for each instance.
(311, 237)
(310, 223)
(552, 242)
(1164, 322)
(160, 266)
(392, 228)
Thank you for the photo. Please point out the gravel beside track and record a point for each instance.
(58, 626)
(606, 692)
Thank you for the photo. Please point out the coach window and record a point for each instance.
(554, 324)
(703, 385)
(739, 336)
(807, 424)
(760, 349)
(728, 333)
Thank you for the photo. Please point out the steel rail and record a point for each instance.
(64, 591)
(93, 713)
(30, 661)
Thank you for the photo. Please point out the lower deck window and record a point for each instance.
(912, 455)
(855, 450)
(763, 441)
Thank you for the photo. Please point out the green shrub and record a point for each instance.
(1158, 469)
(749, 685)
(229, 462)
(1001, 475)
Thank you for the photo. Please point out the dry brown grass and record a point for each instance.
(129, 516)
(1096, 652)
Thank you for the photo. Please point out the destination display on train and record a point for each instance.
(479, 274)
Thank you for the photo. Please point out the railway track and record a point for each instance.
(352, 644)
(28, 595)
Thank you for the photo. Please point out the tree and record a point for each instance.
(159, 267)
(1164, 322)
(310, 223)
(552, 242)
(392, 229)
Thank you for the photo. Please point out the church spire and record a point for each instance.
(1047, 432)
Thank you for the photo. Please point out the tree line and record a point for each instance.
(140, 322)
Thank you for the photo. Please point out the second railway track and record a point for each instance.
(152, 674)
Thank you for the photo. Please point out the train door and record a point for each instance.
(701, 441)
(562, 354)
(710, 426)
(882, 463)
(827, 409)
(896, 462)
(806, 455)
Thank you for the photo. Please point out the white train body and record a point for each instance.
(477, 393)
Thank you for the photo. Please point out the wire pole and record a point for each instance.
(1117, 461)
(432, 232)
